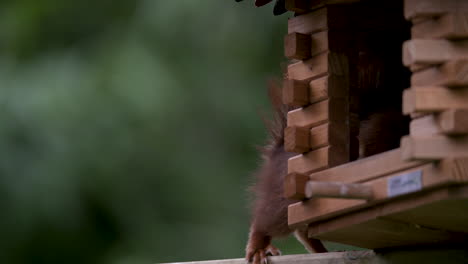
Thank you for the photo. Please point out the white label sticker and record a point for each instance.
(405, 183)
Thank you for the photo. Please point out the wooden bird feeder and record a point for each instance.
(415, 194)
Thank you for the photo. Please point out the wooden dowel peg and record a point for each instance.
(314, 189)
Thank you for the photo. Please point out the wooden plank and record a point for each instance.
(433, 51)
(296, 139)
(319, 20)
(341, 229)
(347, 257)
(315, 189)
(451, 74)
(448, 26)
(311, 161)
(367, 169)
(433, 8)
(304, 6)
(307, 70)
(450, 122)
(294, 186)
(319, 136)
(297, 46)
(436, 147)
(295, 93)
(434, 99)
(381, 233)
(453, 121)
(300, 140)
(310, 116)
(314, 210)
(318, 89)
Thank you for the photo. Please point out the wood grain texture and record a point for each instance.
(433, 210)
(434, 99)
(310, 116)
(315, 189)
(448, 26)
(309, 69)
(433, 51)
(295, 93)
(432, 8)
(311, 161)
(294, 186)
(450, 74)
(297, 46)
(450, 122)
(296, 139)
(436, 147)
(433, 175)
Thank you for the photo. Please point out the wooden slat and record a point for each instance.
(304, 6)
(315, 189)
(319, 136)
(297, 46)
(427, 211)
(310, 116)
(454, 121)
(432, 8)
(448, 26)
(311, 161)
(295, 93)
(366, 169)
(318, 89)
(451, 74)
(314, 210)
(434, 99)
(436, 147)
(307, 70)
(450, 122)
(433, 51)
(319, 20)
(296, 139)
(294, 186)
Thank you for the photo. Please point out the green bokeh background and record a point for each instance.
(129, 129)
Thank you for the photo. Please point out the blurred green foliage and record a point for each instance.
(128, 128)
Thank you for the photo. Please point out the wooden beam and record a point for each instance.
(314, 189)
(319, 20)
(295, 93)
(433, 51)
(300, 140)
(450, 122)
(311, 161)
(440, 210)
(453, 122)
(304, 6)
(310, 116)
(294, 186)
(451, 74)
(448, 26)
(297, 46)
(307, 70)
(384, 188)
(436, 147)
(296, 139)
(434, 99)
(433, 8)
(367, 169)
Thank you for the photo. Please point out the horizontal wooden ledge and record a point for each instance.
(450, 74)
(305, 6)
(420, 218)
(429, 99)
(433, 51)
(301, 140)
(448, 26)
(355, 257)
(423, 177)
(433, 8)
(436, 147)
(450, 122)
